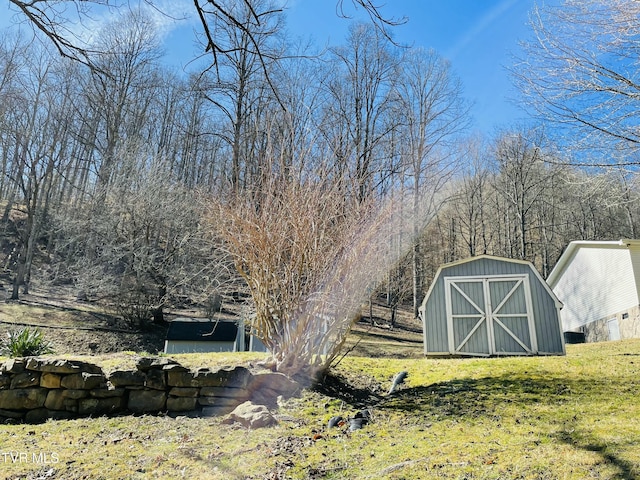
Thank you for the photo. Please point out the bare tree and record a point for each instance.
(292, 132)
(310, 259)
(433, 113)
(54, 19)
(521, 183)
(214, 13)
(598, 206)
(36, 142)
(243, 58)
(471, 203)
(13, 55)
(190, 135)
(144, 248)
(118, 102)
(358, 117)
(580, 71)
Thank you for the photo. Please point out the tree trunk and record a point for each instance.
(158, 312)
(19, 278)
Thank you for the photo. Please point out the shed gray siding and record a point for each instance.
(192, 346)
(191, 335)
(544, 306)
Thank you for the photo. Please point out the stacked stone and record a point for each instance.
(35, 389)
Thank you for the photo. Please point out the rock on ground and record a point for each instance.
(252, 416)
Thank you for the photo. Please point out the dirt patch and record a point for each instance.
(77, 328)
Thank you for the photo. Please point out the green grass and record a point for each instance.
(571, 417)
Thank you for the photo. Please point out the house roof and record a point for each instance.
(191, 329)
(574, 246)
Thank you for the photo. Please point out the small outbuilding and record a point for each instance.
(486, 306)
(599, 284)
(193, 335)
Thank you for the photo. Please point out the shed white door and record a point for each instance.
(490, 315)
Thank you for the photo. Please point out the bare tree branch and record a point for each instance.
(52, 18)
(580, 71)
(381, 22)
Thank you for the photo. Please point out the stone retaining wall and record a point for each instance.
(34, 389)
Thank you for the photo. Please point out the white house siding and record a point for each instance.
(634, 252)
(596, 282)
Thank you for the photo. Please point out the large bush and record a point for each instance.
(310, 257)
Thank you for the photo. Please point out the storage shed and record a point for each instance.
(191, 335)
(485, 306)
(599, 284)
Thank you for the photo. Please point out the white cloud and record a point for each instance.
(166, 16)
(169, 15)
(479, 27)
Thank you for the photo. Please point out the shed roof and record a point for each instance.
(501, 259)
(202, 330)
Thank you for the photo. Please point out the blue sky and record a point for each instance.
(477, 36)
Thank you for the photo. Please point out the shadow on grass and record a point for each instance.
(376, 335)
(463, 397)
(578, 440)
(486, 397)
(482, 396)
(338, 387)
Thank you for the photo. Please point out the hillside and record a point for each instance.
(83, 328)
(569, 417)
(74, 327)
(563, 417)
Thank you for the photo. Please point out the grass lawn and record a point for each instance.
(570, 417)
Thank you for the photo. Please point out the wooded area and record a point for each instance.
(149, 187)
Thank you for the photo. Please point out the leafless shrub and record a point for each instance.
(141, 247)
(135, 308)
(310, 258)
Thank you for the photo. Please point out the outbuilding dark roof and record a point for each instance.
(202, 330)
